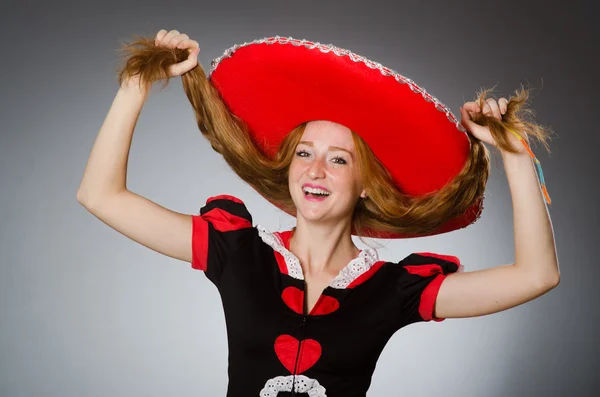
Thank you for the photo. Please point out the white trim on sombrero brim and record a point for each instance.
(356, 58)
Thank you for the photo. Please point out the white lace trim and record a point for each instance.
(356, 58)
(356, 267)
(303, 384)
(292, 262)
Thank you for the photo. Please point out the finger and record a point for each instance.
(165, 40)
(466, 120)
(473, 128)
(466, 117)
(188, 43)
(472, 107)
(503, 104)
(491, 108)
(175, 40)
(193, 56)
(165, 37)
(159, 36)
(180, 68)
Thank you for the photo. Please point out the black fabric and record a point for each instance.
(223, 245)
(245, 270)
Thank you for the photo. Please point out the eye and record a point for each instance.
(337, 160)
(341, 159)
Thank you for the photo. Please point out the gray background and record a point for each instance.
(84, 311)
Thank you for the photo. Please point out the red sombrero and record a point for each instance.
(276, 83)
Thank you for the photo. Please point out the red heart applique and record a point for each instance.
(294, 299)
(286, 349)
(328, 304)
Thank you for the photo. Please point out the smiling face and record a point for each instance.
(325, 159)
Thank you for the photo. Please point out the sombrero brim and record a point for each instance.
(274, 84)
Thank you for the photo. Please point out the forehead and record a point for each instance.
(328, 133)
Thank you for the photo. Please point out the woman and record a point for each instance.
(307, 312)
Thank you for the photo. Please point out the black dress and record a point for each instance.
(275, 349)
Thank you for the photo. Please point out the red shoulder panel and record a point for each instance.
(448, 258)
(223, 221)
(225, 197)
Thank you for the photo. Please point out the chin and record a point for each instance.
(318, 212)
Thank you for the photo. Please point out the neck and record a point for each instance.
(323, 248)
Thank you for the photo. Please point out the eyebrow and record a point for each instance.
(308, 143)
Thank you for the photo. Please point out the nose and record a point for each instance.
(316, 169)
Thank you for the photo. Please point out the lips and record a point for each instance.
(312, 196)
(315, 186)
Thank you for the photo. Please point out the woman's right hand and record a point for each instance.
(174, 39)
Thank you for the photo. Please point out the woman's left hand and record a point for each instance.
(493, 109)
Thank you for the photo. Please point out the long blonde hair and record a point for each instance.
(386, 208)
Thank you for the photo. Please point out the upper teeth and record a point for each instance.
(313, 190)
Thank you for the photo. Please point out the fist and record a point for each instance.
(491, 108)
(174, 39)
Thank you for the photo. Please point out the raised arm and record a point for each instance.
(536, 270)
(103, 189)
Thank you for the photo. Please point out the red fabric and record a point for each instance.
(285, 238)
(276, 87)
(226, 197)
(428, 298)
(449, 258)
(424, 270)
(430, 293)
(199, 242)
(294, 299)
(281, 263)
(286, 348)
(223, 221)
(325, 305)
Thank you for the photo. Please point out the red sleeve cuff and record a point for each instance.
(428, 298)
(199, 242)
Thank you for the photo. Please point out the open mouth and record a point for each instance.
(312, 193)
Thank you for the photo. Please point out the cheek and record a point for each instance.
(349, 182)
(297, 167)
(293, 171)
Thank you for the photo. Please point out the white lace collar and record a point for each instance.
(356, 267)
